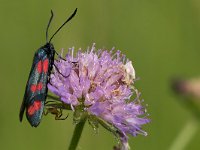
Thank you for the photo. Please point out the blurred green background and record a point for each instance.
(161, 37)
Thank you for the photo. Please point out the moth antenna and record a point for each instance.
(63, 24)
(47, 30)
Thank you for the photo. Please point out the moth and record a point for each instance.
(36, 86)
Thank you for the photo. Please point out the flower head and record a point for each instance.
(101, 84)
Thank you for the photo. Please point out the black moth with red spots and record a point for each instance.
(36, 87)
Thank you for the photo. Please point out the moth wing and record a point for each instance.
(36, 89)
(35, 108)
(33, 77)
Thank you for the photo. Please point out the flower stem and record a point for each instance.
(77, 134)
(186, 135)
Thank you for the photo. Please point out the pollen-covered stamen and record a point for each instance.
(34, 107)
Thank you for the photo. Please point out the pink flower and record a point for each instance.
(102, 83)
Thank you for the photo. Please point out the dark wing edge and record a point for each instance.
(23, 105)
(22, 109)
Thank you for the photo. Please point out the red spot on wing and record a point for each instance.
(34, 107)
(39, 86)
(45, 65)
(33, 87)
(39, 66)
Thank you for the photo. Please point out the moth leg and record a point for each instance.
(45, 112)
(53, 97)
(49, 102)
(55, 111)
(60, 56)
(59, 115)
(59, 71)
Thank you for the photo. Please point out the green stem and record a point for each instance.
(76, 135)
(186, 135)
